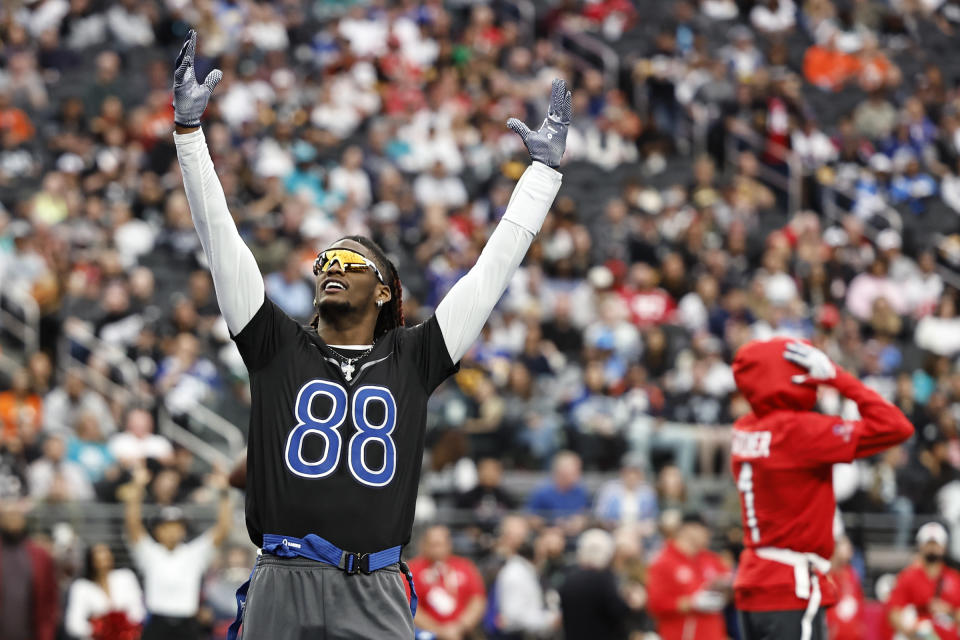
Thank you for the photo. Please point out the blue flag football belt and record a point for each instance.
(315, 548)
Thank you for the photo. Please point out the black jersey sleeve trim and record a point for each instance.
(425, 346)
(269, 331)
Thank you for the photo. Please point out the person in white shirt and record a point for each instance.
(440, 188)
(138, 442)
(518, 594)
(172, 569)
(63, 406)
(104, 595)
(774, 16)
(350, 180)
(52, 477)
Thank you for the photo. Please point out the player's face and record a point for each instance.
(341, 288)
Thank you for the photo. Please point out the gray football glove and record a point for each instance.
(189, 96)
(547, 144)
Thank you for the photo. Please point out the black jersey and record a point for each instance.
(337, 458)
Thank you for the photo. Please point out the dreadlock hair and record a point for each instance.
(391, 314)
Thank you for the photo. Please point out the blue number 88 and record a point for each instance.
(328, 429)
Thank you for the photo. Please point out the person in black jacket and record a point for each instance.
(590, 598)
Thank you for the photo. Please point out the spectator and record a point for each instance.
(598, 418)
(220, 587)
(913, 187)
(827, 66)
(926, 597)
(439, 188)
(137, 442)
(875, 117)
(64, 406)
(172, 569)
(15, 124)
(55, 478)
(590, 599)
(690, 585)
(774, 17)
(866, 288)
(451, 591)
(350, 181)
(648, 303)
(488, 502)
(13, 470)
(629, 501)
(517, 598)
(186, 378)
(129, 24)
(846, 619)
(88, 449)
(937, 333)
(290, 291)
(742, 56)
(19, 405)
(29, 597)
(104, 601)
(565, 496)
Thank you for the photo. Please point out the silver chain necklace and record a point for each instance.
(346, 364)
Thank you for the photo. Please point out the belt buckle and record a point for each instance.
(357, 562)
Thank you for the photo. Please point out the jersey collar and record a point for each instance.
(379, 353)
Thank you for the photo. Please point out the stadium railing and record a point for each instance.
(589, 51)
(87, 523)
(831, 194)
(78, 344)
(790, 183)
(20, 323)
(210, 437)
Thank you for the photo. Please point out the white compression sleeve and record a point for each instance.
(466, 307)
(236, 276)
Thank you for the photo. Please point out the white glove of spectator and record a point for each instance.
(707, 601)
(813, 360)
(189, 96)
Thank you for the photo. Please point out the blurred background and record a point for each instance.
(736, 169)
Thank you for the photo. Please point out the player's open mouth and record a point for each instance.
(334, 285)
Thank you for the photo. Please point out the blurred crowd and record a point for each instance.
(750, 168)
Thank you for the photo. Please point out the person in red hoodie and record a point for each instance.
(29, 598)
(782, 458)
(689, 586)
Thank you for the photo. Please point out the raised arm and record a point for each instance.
(881, 424)
(132, 497)
(465, 309)
(236, 276)
(221, 529)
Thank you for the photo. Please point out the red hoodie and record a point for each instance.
(46, 598)
(783, 454)
(674, 576)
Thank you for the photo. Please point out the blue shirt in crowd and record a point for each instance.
(551, 503)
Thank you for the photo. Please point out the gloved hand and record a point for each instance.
(818, 363)
(190, 97)
(707, 601)
(547, 144)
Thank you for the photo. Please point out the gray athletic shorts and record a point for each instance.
(780, 625)
(299, 599)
